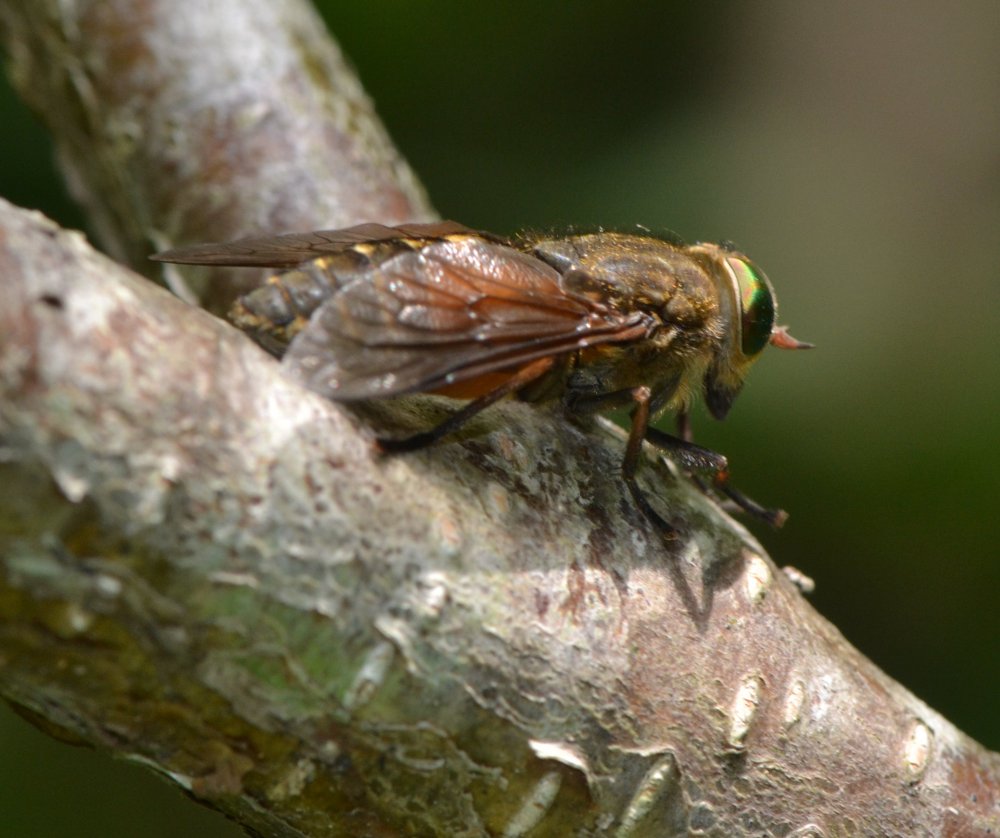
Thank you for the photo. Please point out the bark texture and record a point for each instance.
(205, 568)
(182, 122)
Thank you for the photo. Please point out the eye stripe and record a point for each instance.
(756, 305)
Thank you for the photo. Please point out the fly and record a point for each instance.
(596, 320)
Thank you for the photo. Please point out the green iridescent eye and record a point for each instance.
(756, 305)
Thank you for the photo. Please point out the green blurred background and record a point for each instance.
(853, 150)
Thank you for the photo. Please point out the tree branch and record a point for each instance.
(181, 122)
(206, 568)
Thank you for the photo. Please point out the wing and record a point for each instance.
(293, 249)
(449, 312)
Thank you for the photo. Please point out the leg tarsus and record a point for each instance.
(401, 445)
(667, 531)
(775, 517)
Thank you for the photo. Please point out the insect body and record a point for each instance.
(599, 320)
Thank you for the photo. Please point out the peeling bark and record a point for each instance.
(207, 569)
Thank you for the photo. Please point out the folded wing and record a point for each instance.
(447, 313)
(287, 251)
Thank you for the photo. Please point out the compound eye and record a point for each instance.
(756, 305)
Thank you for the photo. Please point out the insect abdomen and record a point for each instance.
(277, 311)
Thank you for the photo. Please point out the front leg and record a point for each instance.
(689, 456)
(775, 517)
(682, 450)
